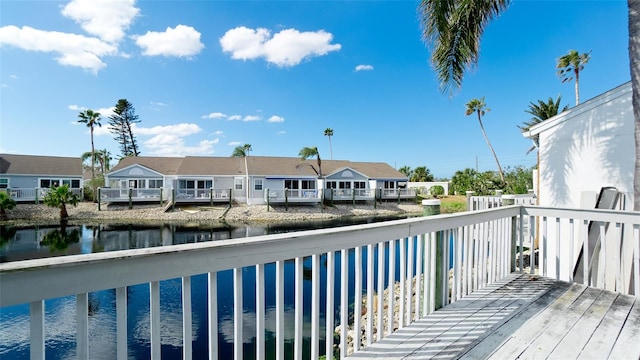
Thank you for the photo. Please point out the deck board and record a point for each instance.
(521, 316)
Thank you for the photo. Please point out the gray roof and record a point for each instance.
(163, 165)
(40, 165)
(268, 166)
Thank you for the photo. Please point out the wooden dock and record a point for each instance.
(526, 317)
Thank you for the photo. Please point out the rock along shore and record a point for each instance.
(88, 212)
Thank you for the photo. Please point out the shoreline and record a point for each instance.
(87, 212)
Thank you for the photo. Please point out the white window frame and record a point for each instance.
(238, 183)
(258, 184)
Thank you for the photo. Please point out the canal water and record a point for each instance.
(60, 325)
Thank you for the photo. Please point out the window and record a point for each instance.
(257, 184)
(204, 184)
(4, 183)
(75, 184)
(344, 185)
(359, 185)
(46, 183)
(291, 184)
(308, 184)
(389, 184)
(237, 183)
(331, 185)
(155, 183)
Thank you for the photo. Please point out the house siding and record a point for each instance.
(587, 148)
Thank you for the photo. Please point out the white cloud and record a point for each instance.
(76, 108)
(71, 49)
(107, 19)
(181, 41)
(169, 140)
(171, 145)
(252, 118)
(286, 48)
(276, 119)
(218, 133)
(235, 117)
(236, 143)
(364, 68)
(214, 115)
(281, 132)
(174, 130)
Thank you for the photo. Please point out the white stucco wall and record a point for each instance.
(586, 148)
(582, 150)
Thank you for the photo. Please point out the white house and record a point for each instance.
(586, 148)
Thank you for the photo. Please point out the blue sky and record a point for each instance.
(206, 76)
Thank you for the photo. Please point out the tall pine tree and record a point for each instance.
(121, 125)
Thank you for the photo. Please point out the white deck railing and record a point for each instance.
(33, 194)
(475, 249)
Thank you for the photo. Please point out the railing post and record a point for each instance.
(375, 198)
(173, 199)
(130, 200)
(99, 197)
(37, 192)
(469, 194)
(286, 199)
(508, 200)
(210, 196)
(268, 199)
(230, 194)
(514, 241)
(353, 197)
(432, 207)
(161, 191)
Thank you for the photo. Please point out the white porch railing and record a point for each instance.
(473, 248)
(33, 194)
(398, 193)
(494, 201)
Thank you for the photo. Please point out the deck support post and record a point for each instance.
(173, 199)
(161, 191)
(99, 197)
(268, 198)
(130, 200)
(286, 199)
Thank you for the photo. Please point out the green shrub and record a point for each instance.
(436, 190)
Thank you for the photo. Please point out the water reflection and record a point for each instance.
(60, 319)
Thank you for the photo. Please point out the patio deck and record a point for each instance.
(522, 316)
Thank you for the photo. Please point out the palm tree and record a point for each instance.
(453, 30)
(308, 152)
(329, 132)
(406, 170)
(243, 152)
(634, 61)
(104, 158)
(92, 119)
(59, 197)
(6, 203)
(421, 174)
(541, 111)
(479, 107)
(569, 67)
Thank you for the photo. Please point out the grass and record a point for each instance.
(451, 203)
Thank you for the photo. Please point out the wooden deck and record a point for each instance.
(526, 317)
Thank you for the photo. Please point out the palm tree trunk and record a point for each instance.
(577, 85)
(634, 61)
(93, 167)
(491, 148)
